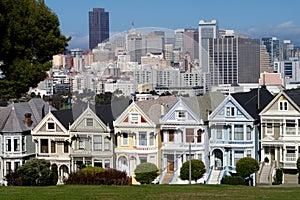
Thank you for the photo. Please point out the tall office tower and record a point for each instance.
(190, 43)
(272, 45)
(98, 27)
(207, 30)
(265, 60)
(134, 45)
(179, 39)
(168, 52)
(288, 50)
(234, 60)
(153, 42)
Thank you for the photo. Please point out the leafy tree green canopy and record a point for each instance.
(37, 172)
(197, 170)
(246, 166)
(29, 37)
(146, 172)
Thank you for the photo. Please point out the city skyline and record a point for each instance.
(256, 19)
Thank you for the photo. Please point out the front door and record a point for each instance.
(170, 166)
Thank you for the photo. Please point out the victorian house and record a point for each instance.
(280, 135)
(52, 140)
(138, 136)
(16, 122)
(92, 138)
(234, 131)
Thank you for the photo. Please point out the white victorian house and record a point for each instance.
(233, 128)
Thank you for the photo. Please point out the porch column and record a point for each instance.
(262, 154)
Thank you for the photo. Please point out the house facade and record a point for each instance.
(280, 131)
(234, 132)
(16, 122)
(138, 136)
(52, 141)
(182, 139)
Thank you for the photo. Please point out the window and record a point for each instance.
(143, 159)
(16, 165)
(249, 153)
(23, 143)
(249, 132)
(283, 105)
(16, 144)
(8, 167)
(181, 115)
(134, 117)
(97, 142)
(189, 133)
(199, 136)
(290, 127)
(151, 139)
(238, 155)
(8, 144)
(219, 130)
(238, 132)
(142, 138)
(50, 126)
(125, 139)
(269, 128)
(53, 150)
(230, 111)
(98, 163)
(66, 147)
(171, 136)
(106, 164)
(89, 122)
(44, 146)
(81, 143)
(106, 144)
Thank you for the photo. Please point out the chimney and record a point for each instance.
(162, 110)
(27, 119)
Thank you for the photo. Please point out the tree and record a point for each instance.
(30, 36)
(197, 170)
(54, 174)
(36, 172)
(247, 166)
(146, 172)
(298, 167)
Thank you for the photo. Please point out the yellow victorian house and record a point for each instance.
(138, 135)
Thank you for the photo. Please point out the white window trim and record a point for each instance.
(271, 127)
(283, 102)
(122, 139)
(234, 111)
(50, 129)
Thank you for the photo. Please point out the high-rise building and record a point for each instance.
(234, 60)
(288, 50)
(98, 27)
(179, 39)
(134, 45)
(190, 43)
(272, 45)
(265, 60)
(207, 30)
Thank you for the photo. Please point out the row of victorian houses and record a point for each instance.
(217, 129)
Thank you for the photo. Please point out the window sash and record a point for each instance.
(97, 142)
(238, 132)
(125, 139)
(142, 139)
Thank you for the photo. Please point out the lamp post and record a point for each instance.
(190, 164)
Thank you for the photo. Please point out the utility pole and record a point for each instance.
(190, 164)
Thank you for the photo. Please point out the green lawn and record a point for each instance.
(168, 192)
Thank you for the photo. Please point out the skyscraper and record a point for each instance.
(98, 26)
(272, 45)
(134, 45)
(234, 60)
(207, 30)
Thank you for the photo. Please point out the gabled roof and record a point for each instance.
(294, 94)
(152, 108)
(202, 105)
(65, 117)
(249, 100)
(12, 117)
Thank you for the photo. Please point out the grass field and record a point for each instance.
(168, 192)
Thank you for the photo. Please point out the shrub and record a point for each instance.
(146, 172)
(197, 170)
(98, 176)
(278, 177)
(233, 180)
(247, 166)
(36, 172)
(13, 179)
(54, 174)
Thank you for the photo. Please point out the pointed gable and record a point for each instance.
(89, 121)
(180, 112)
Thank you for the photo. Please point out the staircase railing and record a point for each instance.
(162, 175)
(209, 174)
(221, 174)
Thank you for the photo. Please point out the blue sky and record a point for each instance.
(256, 18)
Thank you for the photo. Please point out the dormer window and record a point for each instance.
(134, 117)
(283, 105)
(181, 115)
(50, 126)
(89, 122)
(230, 111)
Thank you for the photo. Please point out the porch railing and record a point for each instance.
(209, 174)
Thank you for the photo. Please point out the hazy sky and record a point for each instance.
(256, 18)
